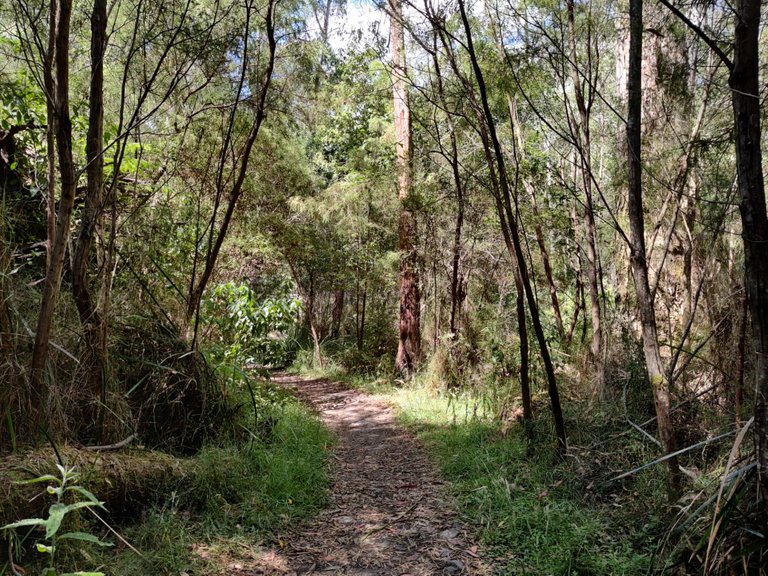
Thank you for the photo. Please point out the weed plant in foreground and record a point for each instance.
(236, 498)
(529, 507)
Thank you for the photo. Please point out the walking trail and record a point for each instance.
(389, 514)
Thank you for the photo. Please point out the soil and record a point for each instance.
(389, 513)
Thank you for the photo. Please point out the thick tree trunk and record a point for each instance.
(645, 308)
(68, 184)
(745, 91)
(409, 343)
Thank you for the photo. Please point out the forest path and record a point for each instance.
(389, 514)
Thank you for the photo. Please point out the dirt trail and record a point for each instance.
(388, 515)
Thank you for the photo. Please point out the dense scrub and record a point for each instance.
(555, 208)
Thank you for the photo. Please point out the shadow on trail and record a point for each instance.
(388, 512)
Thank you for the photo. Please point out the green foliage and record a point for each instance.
(249, 329)
(236, 493)
(64, 487)
(532, 512)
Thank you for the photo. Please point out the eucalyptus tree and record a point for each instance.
(409, 325)
(653, 364)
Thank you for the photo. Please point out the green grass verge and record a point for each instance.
(235, 498)
(530, 509)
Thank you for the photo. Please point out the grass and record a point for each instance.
(531, 510)
(237, 497)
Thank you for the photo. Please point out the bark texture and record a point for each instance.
(90, 318)
(63, 134)
(645, 308)
(745, 92)
(409, 342)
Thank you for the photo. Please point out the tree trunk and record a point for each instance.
(645, 308)
(745, 93)
(409, 343)
(583, 141)
(90, 318)
(529, 188)
(49, 81)
(360, 303)
(511, 224)
(68, 184)
(197, 287)
(456, 275)
(337, 313)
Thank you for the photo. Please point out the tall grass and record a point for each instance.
(531, 511)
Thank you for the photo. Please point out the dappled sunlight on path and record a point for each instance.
(388, 514)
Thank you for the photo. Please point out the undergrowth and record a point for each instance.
(535, 512)
(239, 494)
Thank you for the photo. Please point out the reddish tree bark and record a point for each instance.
(409, 324)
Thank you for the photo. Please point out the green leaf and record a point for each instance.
(25, 522)
(83, 574)
(85, 537)
(56, 514)
(43, 549)
(83, 492)
(38, 480)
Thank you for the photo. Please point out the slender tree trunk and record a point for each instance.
(217, 237)
(68, 184)
(540, 241)
(49, 81)
(6, 322)
(745, 94)
(409, 343)
(519, 149)
(361, 316)
(310, 309)
(583, 139)
(90, 318)
(645, 308)
(511, 224)
(456, 276)
(337, 313)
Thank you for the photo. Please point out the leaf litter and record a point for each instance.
(389, 514)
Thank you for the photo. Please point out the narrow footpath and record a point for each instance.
(389, 513)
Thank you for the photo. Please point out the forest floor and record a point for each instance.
(389, 514)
